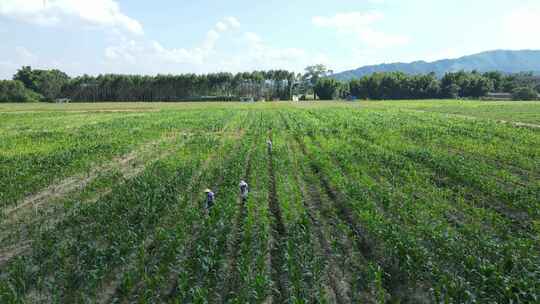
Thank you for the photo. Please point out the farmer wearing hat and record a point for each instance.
(210, 196)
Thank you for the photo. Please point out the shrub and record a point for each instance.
(524, 93)
(15, 91)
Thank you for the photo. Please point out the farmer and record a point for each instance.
(210, 196)
(244, 190)
(269, 144)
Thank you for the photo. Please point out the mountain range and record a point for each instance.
(499, 60)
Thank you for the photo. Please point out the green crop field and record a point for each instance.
(369, 202)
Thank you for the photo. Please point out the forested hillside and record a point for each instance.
(510, 62)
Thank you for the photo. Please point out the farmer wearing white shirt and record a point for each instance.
(244, 190)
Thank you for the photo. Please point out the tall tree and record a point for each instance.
(312, 75)
(48, 83)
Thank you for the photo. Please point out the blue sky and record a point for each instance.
(168, 36)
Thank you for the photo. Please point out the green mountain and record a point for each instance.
(500, 60)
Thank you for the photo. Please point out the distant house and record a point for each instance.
(498, 96)
(247, 99)
(62, 100)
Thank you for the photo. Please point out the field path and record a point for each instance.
(201, 230)
(128, 166)
(125, 164)
(8, 253)
(230, 284)
(513, 123)
(111, 288)
(312, 201)
(365, 244)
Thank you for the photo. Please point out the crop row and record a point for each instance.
(435, 237)
(75, 257)
(35, 158)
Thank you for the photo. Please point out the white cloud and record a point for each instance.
(233, 22)
(247, 52)
(209, 43)
(360, 25)
(146, 51)
(226, 24)
(221, 48)
(143, 52)
(101, 13)
(222, 27)
(261, 52)
(252, 38)
(515, 30)
(21, 56)
(520, 28)
(260, 55)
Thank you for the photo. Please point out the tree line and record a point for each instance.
(266, 85)
(397, 85)
(48, 85)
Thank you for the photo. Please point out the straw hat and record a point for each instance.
(207, 190)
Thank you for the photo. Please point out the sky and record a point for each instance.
(203, 36)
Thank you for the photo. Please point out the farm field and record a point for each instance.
(370, 202)
(522, 111)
